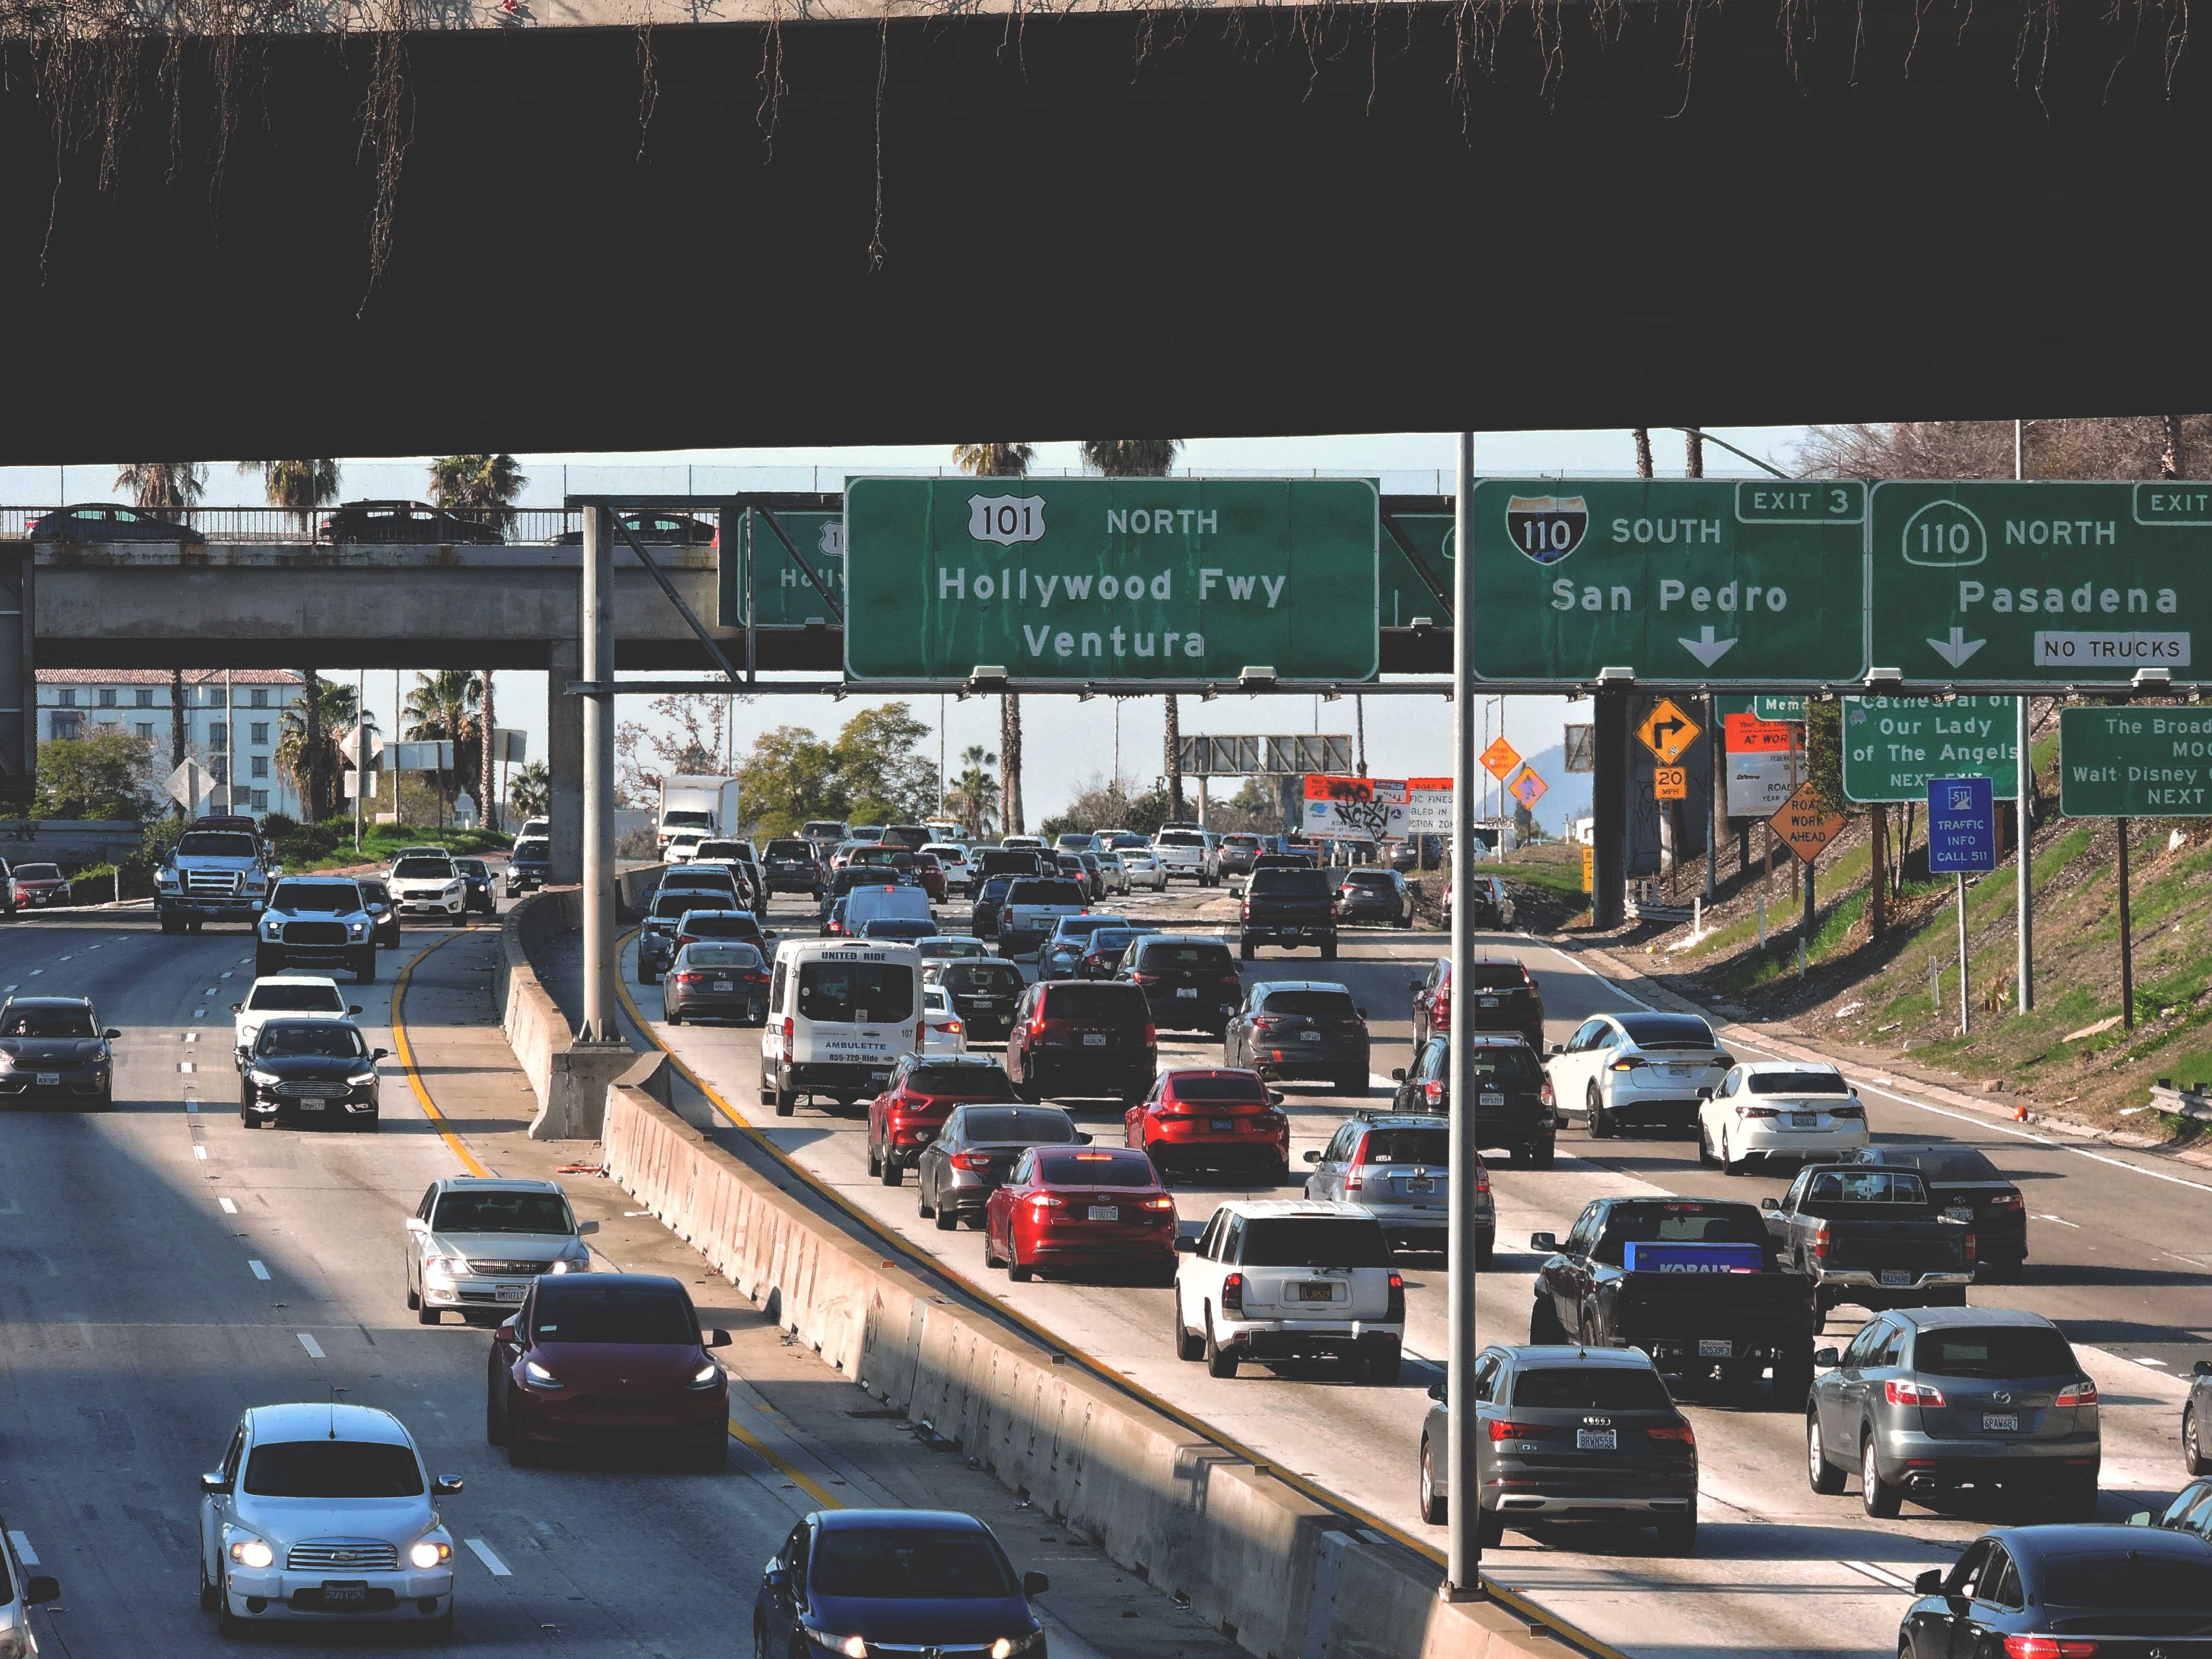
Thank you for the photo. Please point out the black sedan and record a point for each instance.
(2058, 1592)
(310, 1071)
(655, 529)
(1967, 1186)
(52, 1049)
(1299, 1028)
(384, 926)
(481, 898)
(530, 865)
(104, 521)
(877, 1581)
(405, 522)
(1374, 896)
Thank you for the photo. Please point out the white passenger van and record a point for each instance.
(840, 1014)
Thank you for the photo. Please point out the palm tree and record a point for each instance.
(329, 708)
(439, 710)
(486, 779)
(1003, 461)
(1146, 458)
(162, 486)
(530, 791)
(301, 485)
(975, 793)
(480, 486)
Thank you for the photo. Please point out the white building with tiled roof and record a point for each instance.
(232, 721)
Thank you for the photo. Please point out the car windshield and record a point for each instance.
(48, 1023)
(985, 1082)
(332, 1468)
(1994, 1351)
(502, 1213)
(582, 1311)
(721, 956)
(1431, 1146)
(1667, 1030)
(1044, 1127)
(214, 844)
(372, 892)
(1868, 1186)
(899, 1563)
(296, 998)
(1289, 884)
(847, 992)
(423, 870)
(525, 850)
(1104, 1002)
(2132, 1580)
(1314, 1241)
(1246, 1088)
(1042, 890)
(1668, 1221)
(1096, 1170)
(1320, 1005)
(326, 1039)
(1591, 1387)
(1111, 941)
(37, 872)
(329, 898)
(1797, 1083)
(1001, 977)
(1174, 954)
(475, 868)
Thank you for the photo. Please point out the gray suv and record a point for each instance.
(1930, 1400)
(1398, 1166)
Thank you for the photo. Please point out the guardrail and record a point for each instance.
(2195, 1102)
(521, 525)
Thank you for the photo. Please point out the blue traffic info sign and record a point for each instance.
(1962, 826)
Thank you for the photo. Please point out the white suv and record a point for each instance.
(1290, 1279)
(295, 996)
(427, 886)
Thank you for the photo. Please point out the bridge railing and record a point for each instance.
(521, 525)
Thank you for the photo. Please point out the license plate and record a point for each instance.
(1187, 991)
(1959, 1212)
(335, 1595)
(312, 1105)
(1678, 1071)
(1490, 1100)
(1309, 1037)
(1421, 1184)
(880, 1077)
(1597, 1439)
(1896, 1278)
(50, 1079)
(1711, 1347)
(2000, 1422)
(1094, 1039)
(514, 1293)
(1105, 1213)
(725, 985)
(1222, 1126)
(1487, 1002)
(1804, 1120)
(1317, 1293)
(752, 1011)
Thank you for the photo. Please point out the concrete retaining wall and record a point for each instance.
(1287, 1579)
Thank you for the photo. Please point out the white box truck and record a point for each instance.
(706, 804)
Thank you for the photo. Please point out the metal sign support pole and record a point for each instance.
(2026, 872)
(1464, 1568)
(1966, 1002)
(2127, 941)
(598, 666)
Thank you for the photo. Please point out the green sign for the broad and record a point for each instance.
(1708, 580)
(2135, 762)
(1111, 579)
(1893, 746)
(785, 597)
(2077, 584)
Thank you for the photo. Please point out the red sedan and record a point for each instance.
(1093, 1208)
(40, 884)
(906, 1117)
(593, 1356)
(1212, 1118)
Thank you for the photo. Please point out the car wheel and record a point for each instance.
(1820, 1475)
(425, 1315)
(1730, 1164)
(1244, 949)
(1793, 1379)
(1541, 1156)
(522, 1453)
(171, 925)
(1705, 1158)
(267, 962)
(210, 1598)
(674, 1015)
(948, 1220)
(892, 1174)
(1435, 1508)
(1600, 1126)
(646, 976)
(413, 1299)
(226, 1623)
(786, 1103)
(2192, 1450)
(1489, 1528)
(1219, 1361)
(1381, 1366)
(1544, 1327)
(714, 1454)
(364, 966)
(495, 1419)
(2077, 1500)
(1677, 1533)
(1353, 1083)
(875, 1163)
(1188, 1343)
(1882, 1500)
(1328, 950)
(1016, 1270)
(1485, 1247)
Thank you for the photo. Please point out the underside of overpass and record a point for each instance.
(1274, 220)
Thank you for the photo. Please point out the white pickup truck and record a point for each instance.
(1184, 852)
(1033, 908)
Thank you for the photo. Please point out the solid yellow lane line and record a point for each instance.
(406, 1056)
(783, 1466)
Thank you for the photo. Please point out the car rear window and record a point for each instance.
(654, 1315)
(1046, 1127)
(332, 1468)
(1319, 1005)
(1121, 1002)
(898, 927)
(1037, 891)
(1668, 1221)
(1496, 976)
(1246, 1088)
(296, 998)
(1172, 954)
(2133, 1581)
(1591, 1387)
(1289, 884)
(982, 1081)
(987, 976)
(1510, 1062)
(675, 905)
(929, 1563)
(1083, 926)
(1432, 1146)
(1948, 1163)
(1367, 878)
(722, 924)
(1314, 1241)
(1994, 1351)
(721, 956)
(1797, 1083)
(1667, 1030)
(791, 849)
(1178, 838)
(1096, 1170)
(1869, 1186)
(848, 992)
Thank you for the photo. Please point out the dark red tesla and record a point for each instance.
(594, 1357)
(1090, 1209)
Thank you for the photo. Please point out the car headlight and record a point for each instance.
(443, 1267)
(251, 1553)
(706, 1376)
(1006, 1646)
(165, 878)
(264, 1079)
(431, 1552)
(361, 1079)
(14, 1644)
(359, 928)
(537, 1374)
(851, 1646)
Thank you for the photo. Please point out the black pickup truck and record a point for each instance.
(1694, 1282)
(1871, 1236)
(1288, 907)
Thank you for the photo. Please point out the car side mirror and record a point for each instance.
(1397, 1074)
(380, 1053)
(1082, 1138)
(1361, 1013)
(1772, 1205)
(446, 1486)
(1556, 1049)
(1314, 1156)
(1185, 1245)
(353, 1008)
(1704, 1093)
(717, 1338)
(42, 1589)
(2140, 1518)
(215, 1483)
(1543, 1241)
(776, 1578)
(1275, 1096)
(1035, 1584)
(415, 1224)
(1826, 1358)
(1929, 1583)
(110, 1035)
(2203, 1368)
(586, 1227)
(507, 1330)
(1440, 1391)
(240, 1008)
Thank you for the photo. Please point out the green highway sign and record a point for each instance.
(2136, 762)
(2076, 584)
(1405, 595)
(1778, 708)
(785, 597)
(1893, 746)
(1111, 579)
(1711, 581)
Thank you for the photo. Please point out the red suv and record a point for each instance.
(1062, 1207)
(1083, 1037)
(1212, 1118)
(906, 1117)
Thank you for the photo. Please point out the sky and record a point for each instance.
(1068, 745)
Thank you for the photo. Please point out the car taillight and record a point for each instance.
(1232, 1294)
(1970, 1249)
(1630, 1062)
(1162, 1203)
(1501, 1430)
(2083, 1393)
(1433, 1091)
(1898, 1392)
(1037, 1024)
(788, 1035)
(1544, 1093)
(1142, 978)
(1395, 1308)
(1758, 1111)
(1681, 1431)
(1820, 1242)
(971, 1161)
(686, 979)
(1852, 1111)
(1265, 1022)
(1440, 1013)
(1047, 1201)
(2048, 1647)
(1481, 1176)
(2007, 1201)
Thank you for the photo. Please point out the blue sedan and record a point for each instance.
(848, 1582)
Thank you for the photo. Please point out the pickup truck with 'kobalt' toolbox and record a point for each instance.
(1870, 1237)
(213, 875)
(1696, 1283)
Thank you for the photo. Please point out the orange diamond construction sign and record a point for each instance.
(1805, 824)
(1500, 758)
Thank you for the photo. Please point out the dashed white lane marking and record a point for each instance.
(24, 1553)
(198, 1012)
(229, 1205)
(1879, 1574)
(489, 1557)
(186, 1065)
(260, 1271)
(209, 991)
(315, 1348)
(199, 1151)
(35, 972)
(2062, 1221)
(2145, 1360)
(68, 958)
(192, 1037)
(7, 988)
(224, 975)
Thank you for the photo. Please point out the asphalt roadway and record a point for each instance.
(1778, 1570)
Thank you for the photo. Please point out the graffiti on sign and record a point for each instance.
(1373, 807)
